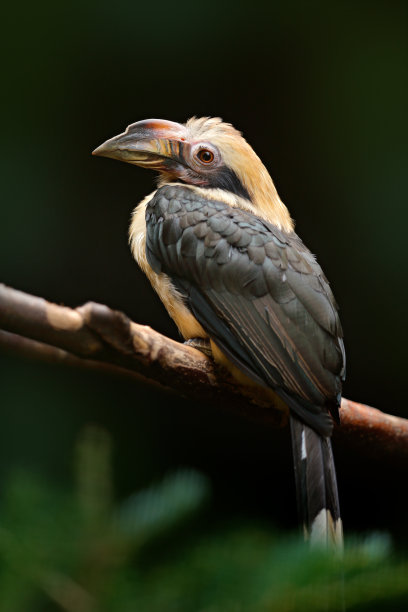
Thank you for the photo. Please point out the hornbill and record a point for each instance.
(218, 245)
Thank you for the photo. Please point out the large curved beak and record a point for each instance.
(152, 143)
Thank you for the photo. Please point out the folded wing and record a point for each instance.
(258, 292)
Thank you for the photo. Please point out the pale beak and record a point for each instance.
(152, 143)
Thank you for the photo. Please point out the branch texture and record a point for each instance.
(95, 337)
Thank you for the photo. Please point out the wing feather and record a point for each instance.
(258, 292)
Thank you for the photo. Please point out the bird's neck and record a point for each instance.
(264, 200)
(264, 196)
(270, 206)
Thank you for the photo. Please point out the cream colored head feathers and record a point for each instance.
(241, 157)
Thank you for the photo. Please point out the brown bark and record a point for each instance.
(94, 336)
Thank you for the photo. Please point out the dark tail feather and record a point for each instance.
(316, 486)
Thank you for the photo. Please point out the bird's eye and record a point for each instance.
(205, 156)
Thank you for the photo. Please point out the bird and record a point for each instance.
(218, 246)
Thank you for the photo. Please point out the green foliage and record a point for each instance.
(82, 552)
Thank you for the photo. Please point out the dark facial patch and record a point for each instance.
(222, 178)
(225, 178)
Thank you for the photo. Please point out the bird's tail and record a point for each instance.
(316, 486)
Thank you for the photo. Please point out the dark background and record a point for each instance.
(320, 91)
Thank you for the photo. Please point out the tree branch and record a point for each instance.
(95, 337)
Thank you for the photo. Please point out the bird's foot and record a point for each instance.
(201, 344)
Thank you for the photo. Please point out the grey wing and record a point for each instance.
(258, 292)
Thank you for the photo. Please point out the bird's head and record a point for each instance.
(205, 152)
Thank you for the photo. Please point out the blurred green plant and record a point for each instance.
(82, 552)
